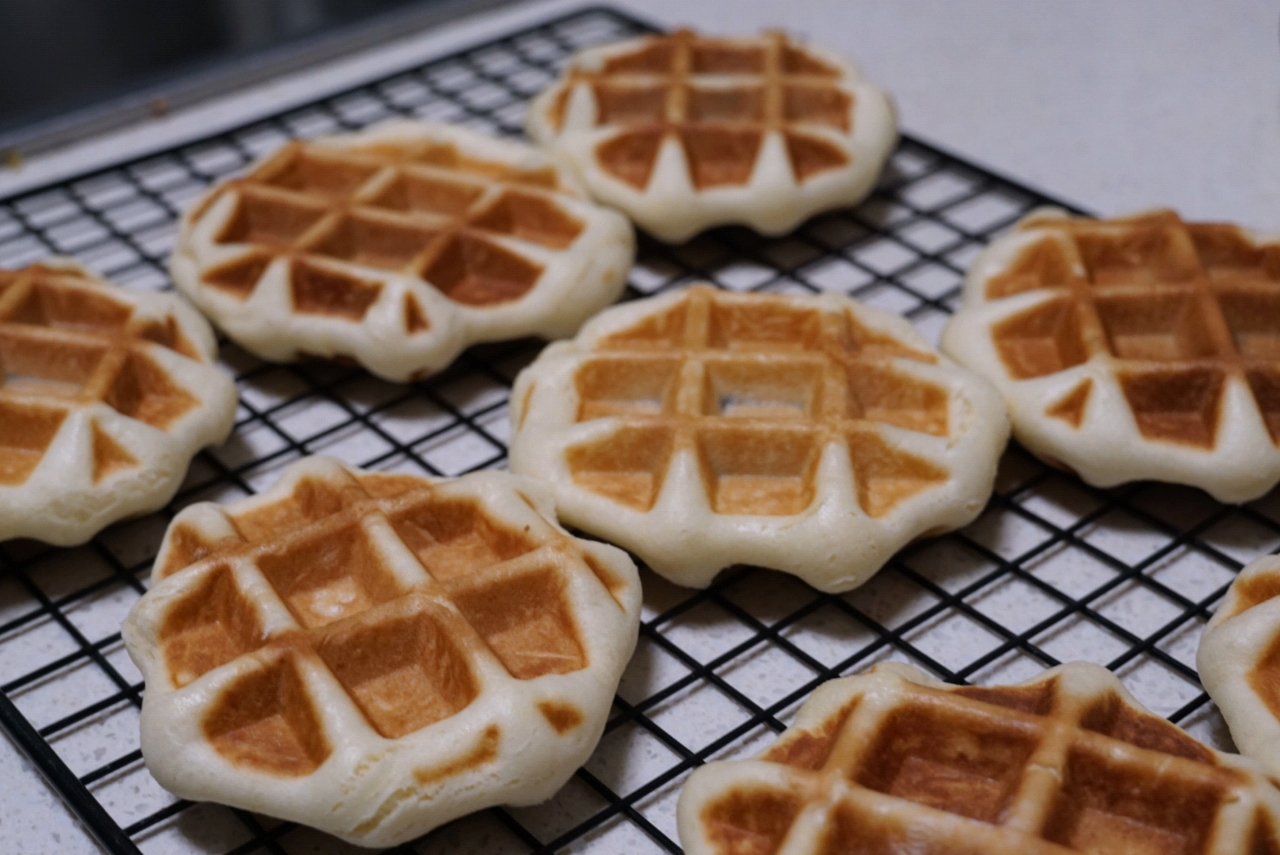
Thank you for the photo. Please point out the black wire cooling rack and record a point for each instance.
(1054, 570)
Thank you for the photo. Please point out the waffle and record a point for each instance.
(397, 247)
(701, 428)
(893, 761)
(1135, 348)
(105, 396)
(683, 132)
(1239, 661)
(376, 654)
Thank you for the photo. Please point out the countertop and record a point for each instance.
(1113, 106)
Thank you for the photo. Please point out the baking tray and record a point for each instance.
(1053, 570)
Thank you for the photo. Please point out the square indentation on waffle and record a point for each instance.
(26, 430)
(65, 344)
(405, 672)
(336, 573)
(266, 720)
(1105, 802)
(756, 389)
(719, 99)
(523, 617)
(453, 539)
(1177, 307)
(377, 585)
(209, 627)
(461, 225)
(973, 771)
(916, 765)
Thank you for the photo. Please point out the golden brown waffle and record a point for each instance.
(808, 434)
(1239, 661)
(105, 395)
(683, 131)
(376, 654)
(398, 247)
(1136, 348)
(893, 761)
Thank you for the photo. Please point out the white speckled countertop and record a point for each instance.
(1113, 106)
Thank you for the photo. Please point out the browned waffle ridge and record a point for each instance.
(718, 98)
(64, 344)
(1043, 767)
(1180, 306)
(757, 389)
(376, 654)
(402, 651)
(703, 428)
(419, 209)
(397, 247)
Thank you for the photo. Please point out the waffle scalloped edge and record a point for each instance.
(300, 663)
(398, 246)
(1239, 660)
(894, 760)
(704, 453)
(1154, 388)
(813, 134)
(109, 393)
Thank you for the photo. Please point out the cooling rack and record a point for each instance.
(1053, 570)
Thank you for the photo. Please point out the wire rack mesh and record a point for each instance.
(1054, 570)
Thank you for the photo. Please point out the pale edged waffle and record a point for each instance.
(1239, 660)
(1143, 347)
(376, 654)
(894, 761)
(397, 247)
(106, 393)
(684, 131)
(810, 434)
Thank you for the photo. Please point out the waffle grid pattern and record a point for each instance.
(1207, 318)
(1068, 765)
(473, 548)
(802, 386)
(401, 212)
(719, 99)
(341, 606)
(1133, 348)
(105, 352)
(684, 131)
(398, 248)
(114, 386)
(1069, 558)
(702, 429)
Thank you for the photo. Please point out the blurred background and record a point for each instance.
(1114, 106)
(66, 53)
(68, 67)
